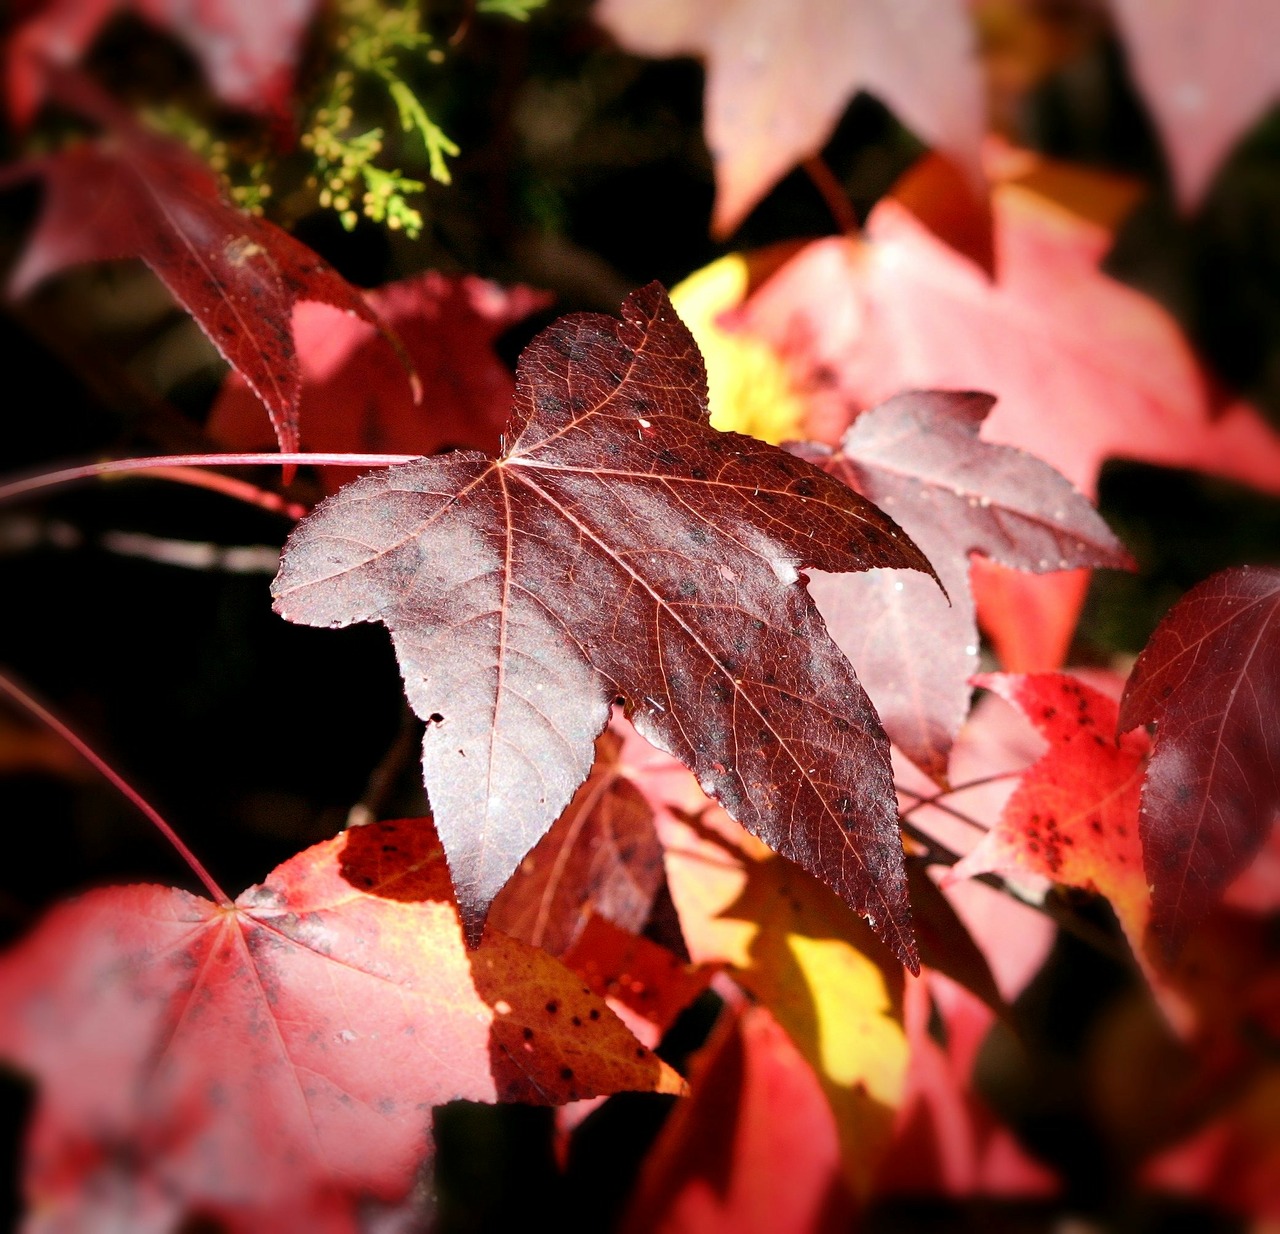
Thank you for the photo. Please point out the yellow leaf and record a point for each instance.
(748, 382)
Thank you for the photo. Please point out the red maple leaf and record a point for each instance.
(136, 194)
(350, 400)
(1083, 368)
(775, 92)
(1209, 679)
(920, 459)
(270, 1062)
(754, 1148)
(1074, 815)
(248, 49)
(620, 547)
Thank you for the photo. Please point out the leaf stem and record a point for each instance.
(936, 800)
(238, 490)
(933, 799)
(165, 465)
(1060, 913)
(833, 194)
(77, 743)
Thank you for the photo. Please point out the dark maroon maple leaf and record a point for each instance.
(1209, 680)
(619, 547)
(135, 194)
(248, 48)
(919, 457)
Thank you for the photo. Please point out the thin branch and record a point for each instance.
(833, 194)
(1061, 914)
(935, 798)
(91, 756)
(239, 490)
(936, 801)
(382, 780)
(165, 463)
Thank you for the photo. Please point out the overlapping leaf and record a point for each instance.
(248, 49)
(139, 195)
(600, 860)
(919, 458)
(270, 1062)
(752, 1151)
(1209, 680)
(351, 399)
(620, 547)
(1073, 817)
(947, 1140)
(1207, 72)
(795, 947)
(1083, 368)
(774, 91)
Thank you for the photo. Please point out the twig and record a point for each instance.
(383, 777)
(166, 463)
(833, 194)
(82, 747)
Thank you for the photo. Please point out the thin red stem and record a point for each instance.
(833, 194)
(935, 798)
(20, 696)
(167, 462)
(238, 490)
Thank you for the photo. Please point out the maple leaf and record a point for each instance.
(775, 91)
(271, 1061)
(351, 401)
(1083, 368)
(248, 49)
(1074, 815)
(1209, 679)
(136, 194)
(789, 941)
(1206, 74)
(753, 1149)
(600, 860)
(919, 458)
(620, 547)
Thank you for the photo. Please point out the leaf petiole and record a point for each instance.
(165, 467)
(99, 764)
